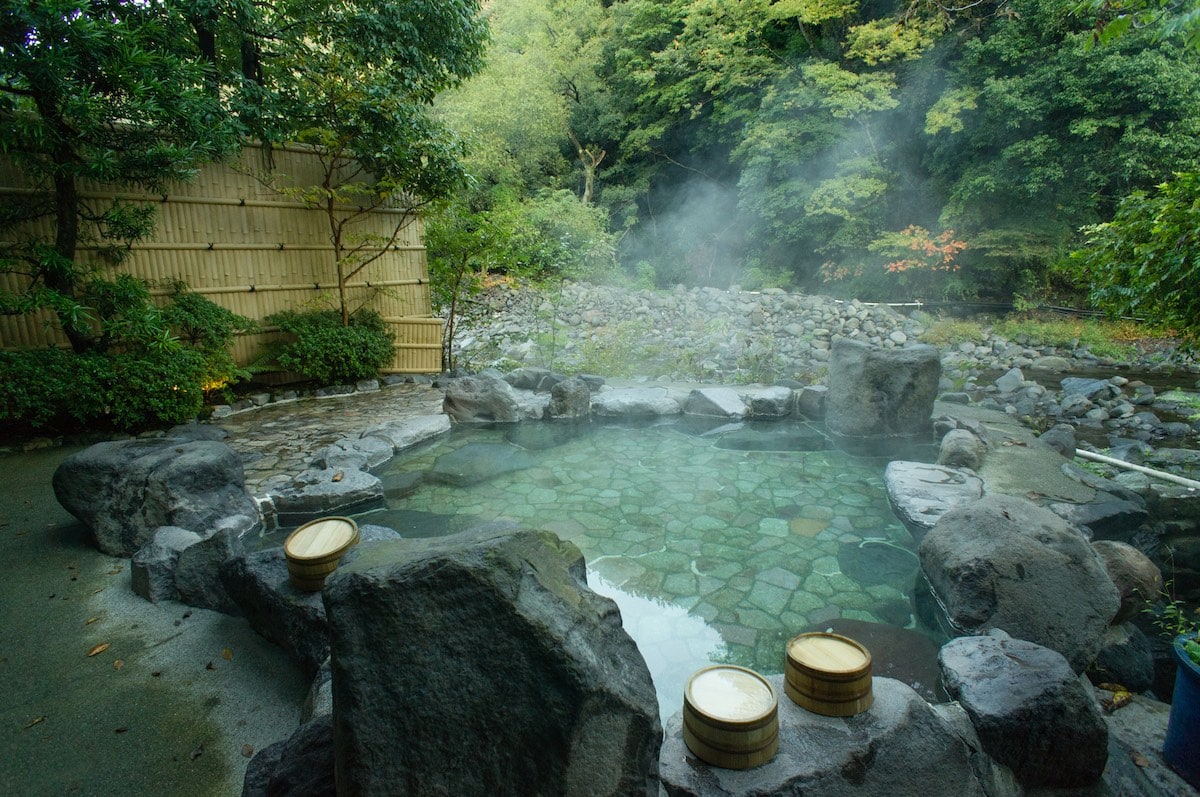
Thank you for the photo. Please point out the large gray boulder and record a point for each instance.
(198, 571)
(293, 619)
(1031, 711)
(920, 493)
(772, 402)
(259, 585)
(299, 766)
(124, 490)
(570, 399)
(881, 396)
(899, 747)
(1137, 578)
(152, 571)
(634, 402)
(355, 453)
(482, 664)
(716, 402)
(401, 434)
(1003, 562)
(481, 398)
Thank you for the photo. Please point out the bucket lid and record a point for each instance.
(320, 538)
(829, 653)
(730, 694)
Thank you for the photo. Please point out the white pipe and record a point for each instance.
(1120, 463)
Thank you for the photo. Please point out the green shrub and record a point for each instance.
(60, 391)
(326, 351)
(210, 329)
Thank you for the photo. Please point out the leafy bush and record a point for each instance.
(326, 351)
(1144, 262)
(209, 329)
(57, 390)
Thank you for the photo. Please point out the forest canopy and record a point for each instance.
(874, 149)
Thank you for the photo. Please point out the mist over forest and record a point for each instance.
(874, 149)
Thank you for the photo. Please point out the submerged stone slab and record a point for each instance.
(899, 747)
(921, 493)
(475, 463)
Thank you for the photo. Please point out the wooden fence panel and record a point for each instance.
(255, 251)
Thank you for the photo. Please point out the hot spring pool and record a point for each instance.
(718, 545)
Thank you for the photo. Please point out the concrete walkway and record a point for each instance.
(173, 706)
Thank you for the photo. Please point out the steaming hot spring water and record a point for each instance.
(718, 544)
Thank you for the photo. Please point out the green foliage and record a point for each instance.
(330, 353)
(209, 329)
(618, 351)
(60, 391)
(1174, 619)
(951, 331)
(1103, 339)
(1145, 261)
(110, 92)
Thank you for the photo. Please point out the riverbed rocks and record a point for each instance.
(1003, 562)
(123, 491)
(1031, 711)
(1138, 580)
(482, 664)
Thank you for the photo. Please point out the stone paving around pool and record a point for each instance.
(276, 441)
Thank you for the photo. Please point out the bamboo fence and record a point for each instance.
(256, 251)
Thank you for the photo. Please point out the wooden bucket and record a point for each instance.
(314, 550)
(828, 674)
(730, 717)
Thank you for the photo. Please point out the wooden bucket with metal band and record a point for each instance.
(314, 550)
(731, 717)
(828, 674)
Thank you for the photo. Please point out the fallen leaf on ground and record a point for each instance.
(98, 649)
(1139, 759)
(35, 721)
(91, 620)
(247, 750)
(227, 654)
(210, 666)
(116, 570)
(121, 729)
(199, 751)
(118, 664)
(337, 477)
